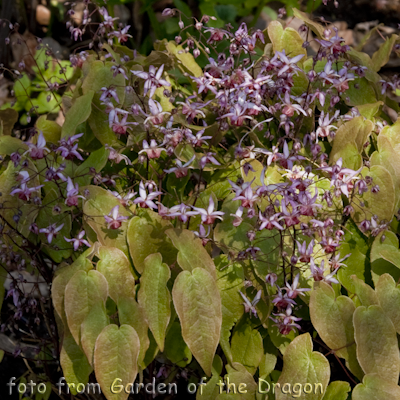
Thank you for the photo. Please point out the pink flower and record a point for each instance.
(72, 194)
(209, 216)
(250, 307)
(146, 200)
(51, 231)
(24, 193)
(68, 148)
(78, 241)
(180, 170)
(37, 151)
(113, 219)
(152, 79)
(293, 291)
(153, 150)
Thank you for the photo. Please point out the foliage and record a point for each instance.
(196, 224)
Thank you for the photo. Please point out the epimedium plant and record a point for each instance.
(206, 223)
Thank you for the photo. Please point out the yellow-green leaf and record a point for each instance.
(100, 202)
(388, 294)
(286, 39)
(91, 328)
(115, 266)
(63, 275)
(154, 296)
(382, 203)
(377, 347)
(116, 360)
(146, 235)
(376, 388)
(198, 305)
(303, 365)
(74, 363)
(337, 390)
(247, 346)
(78, 113)
(230, 282)
(364, 292)
(192, 253)
(333, 319)
(82, 292)
(130, 313)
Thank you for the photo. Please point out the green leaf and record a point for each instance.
(74, 363)
(362, 94)
(349, 154)
(115, 360)
(388, 294)
(12, 204)
(116, 268)
(176, 350)
(382, 55)
(63, 276)
(198, 305)
(392, 132)
(10, 144)
(82, 292)
(146, 235)
(267, 364)
(97, 160)
(247, 346)
(375, 388)
(130, 313)
(50, 129)
(191, 252)
(337, 390)
(185, 61)
(356, 130)
(370, 110)
(377, 347)
(318, 29)
(78, 113)
(364, 292)
(333, 320)
(381, 204)
(209, 391)
(91, 328)
(280, 341)
(303, 365)
(238, 375)
(44, 103)
(385, 257)
(8, 118)
(388, 158)
(58, 249)
(286, 39)
(98, 74)
(354, 243)
(154, 296)
(100, 202)
(230, 282)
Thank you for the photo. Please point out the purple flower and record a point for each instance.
(293, 291)
(24, 193)
(72, 194)
(37, 151)
(152, 79)
(250, 307)
(113, 219)
(209, 216)
(68, 148)
(78, 241)
(51, 231)
(146, 200)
